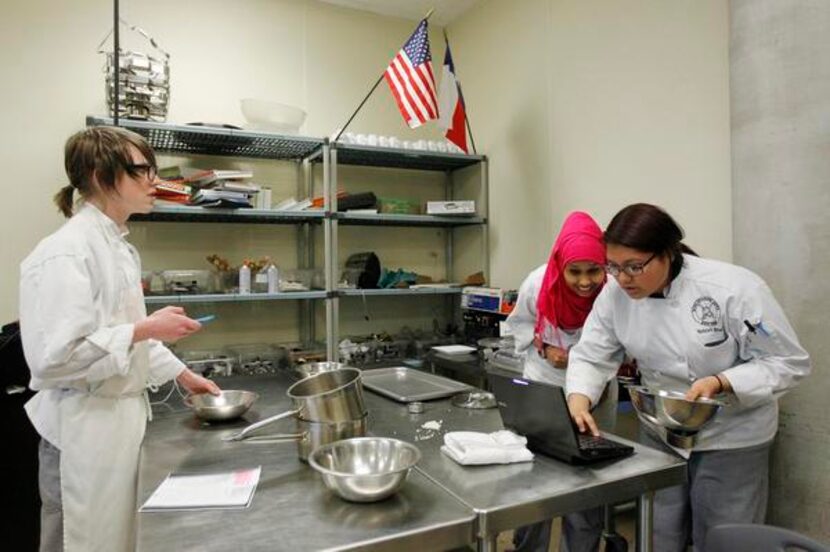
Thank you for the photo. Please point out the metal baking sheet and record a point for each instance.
(406, 385)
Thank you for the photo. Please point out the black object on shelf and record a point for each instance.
(362, 270)
(19, 461)
(364, 200)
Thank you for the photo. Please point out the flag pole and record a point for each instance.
(380, 78)
(461, 97)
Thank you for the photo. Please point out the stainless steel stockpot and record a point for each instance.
(335, 396)
(327, 397)
(312, 435)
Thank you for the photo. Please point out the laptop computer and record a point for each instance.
(539, 411)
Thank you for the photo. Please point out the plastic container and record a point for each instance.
(272, 116)
(259, 283)
(272, 274)
(296, 279)
(186, 281)
(244, 280)
(257, 358)
(208, 363)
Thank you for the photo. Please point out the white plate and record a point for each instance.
(455, 349)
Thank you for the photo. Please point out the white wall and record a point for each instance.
(780, 119)
(593, 105)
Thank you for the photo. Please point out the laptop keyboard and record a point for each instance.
(595, 443)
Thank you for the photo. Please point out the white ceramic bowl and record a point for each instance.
(272, 116)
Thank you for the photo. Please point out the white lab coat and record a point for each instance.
(80, 295)
(521, 325)
(698, 330)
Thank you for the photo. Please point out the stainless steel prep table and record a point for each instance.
(506, 497)
(292, 509)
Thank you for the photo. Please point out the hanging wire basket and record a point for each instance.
(143, 81)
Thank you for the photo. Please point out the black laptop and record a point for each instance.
(539, 411)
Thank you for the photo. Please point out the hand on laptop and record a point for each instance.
(580, 408)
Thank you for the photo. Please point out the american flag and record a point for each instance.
(411, 81)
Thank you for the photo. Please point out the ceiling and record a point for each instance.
(445, 10)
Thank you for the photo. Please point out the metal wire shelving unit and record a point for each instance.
(309, 152)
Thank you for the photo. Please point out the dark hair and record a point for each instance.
(98, 155)
(648, 228)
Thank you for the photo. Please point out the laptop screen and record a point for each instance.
(539, 411)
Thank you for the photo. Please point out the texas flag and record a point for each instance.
(451, 105)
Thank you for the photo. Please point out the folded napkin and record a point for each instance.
(499, 447)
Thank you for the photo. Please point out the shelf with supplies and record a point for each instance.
(231, 297)
(311, 154)
(383, 219)
(457, 178)
(400, 291)
(213, 140)
(191, 213)
(397, 158)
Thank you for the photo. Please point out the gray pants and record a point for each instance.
(581, 532)
(723, 486)
(51, 512)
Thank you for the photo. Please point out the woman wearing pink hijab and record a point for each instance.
(553, 303)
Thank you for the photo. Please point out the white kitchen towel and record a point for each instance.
(475, 448)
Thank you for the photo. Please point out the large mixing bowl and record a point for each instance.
(365, 469)
(669, 409)
(229, 404)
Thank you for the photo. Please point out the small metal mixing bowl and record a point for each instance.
(365, 469)
(669, 409)
(229, 404)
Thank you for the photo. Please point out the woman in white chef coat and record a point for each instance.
(91, 347)
(553, 303)
(704, 327)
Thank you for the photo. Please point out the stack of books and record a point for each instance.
(173, 192)
(222, 188)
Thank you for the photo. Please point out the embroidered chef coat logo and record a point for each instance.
(706, 311)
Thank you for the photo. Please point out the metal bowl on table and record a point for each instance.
(681, 418)
(313, 368)
(476, 400)
(229, 404)
(365, 469)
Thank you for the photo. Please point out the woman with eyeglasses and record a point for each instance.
(553, 303)
(91, 347)
(705, 328)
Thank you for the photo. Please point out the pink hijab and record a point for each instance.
(580, 239)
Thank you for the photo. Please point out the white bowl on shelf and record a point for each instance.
(272, 116)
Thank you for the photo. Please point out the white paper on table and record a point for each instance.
(204, 491)
(454, 349)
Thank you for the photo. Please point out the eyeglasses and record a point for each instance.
(632, 269)
(138, 169)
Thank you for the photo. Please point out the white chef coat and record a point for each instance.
(698, 330)
(80, 297)
(70, 287)
(521, 325)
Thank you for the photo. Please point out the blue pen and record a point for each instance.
(205, 319)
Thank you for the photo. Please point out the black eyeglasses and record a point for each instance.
(137, 169)
(632, 269)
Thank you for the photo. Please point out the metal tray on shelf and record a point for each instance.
(406, 385)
